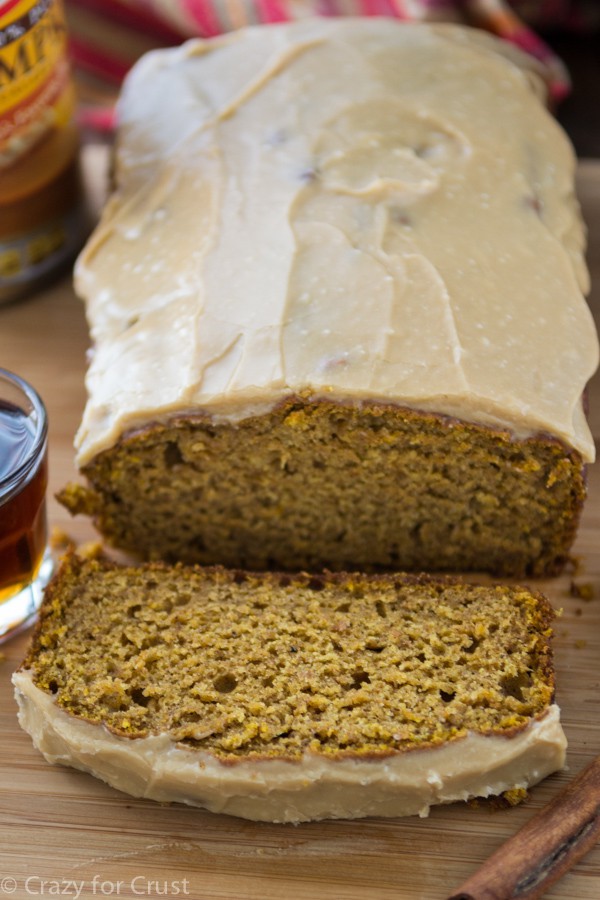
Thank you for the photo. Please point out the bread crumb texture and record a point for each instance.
(272, 665)
(316, 485)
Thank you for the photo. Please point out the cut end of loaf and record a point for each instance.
(316, 484)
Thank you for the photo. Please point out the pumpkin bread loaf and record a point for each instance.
(336, 302)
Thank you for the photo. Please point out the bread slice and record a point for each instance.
(288, 698)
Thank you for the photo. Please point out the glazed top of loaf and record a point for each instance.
(357, 209)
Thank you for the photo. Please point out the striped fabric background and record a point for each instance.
(107, 36)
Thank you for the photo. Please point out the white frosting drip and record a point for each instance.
(280, 790)
(360, 209)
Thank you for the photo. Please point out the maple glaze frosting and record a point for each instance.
(281, 790)
(357, 209)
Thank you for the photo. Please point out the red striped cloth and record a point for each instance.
(107, 36)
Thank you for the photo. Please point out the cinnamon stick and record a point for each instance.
(545, 848)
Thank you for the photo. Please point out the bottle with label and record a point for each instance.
(42, 223)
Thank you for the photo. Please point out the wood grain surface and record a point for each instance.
(62, 833)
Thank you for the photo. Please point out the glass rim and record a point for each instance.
(41, 433)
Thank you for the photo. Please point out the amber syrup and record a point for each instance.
(22, 509)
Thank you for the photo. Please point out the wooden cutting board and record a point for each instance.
(62, 833)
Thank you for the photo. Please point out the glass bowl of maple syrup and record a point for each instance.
(25, 560)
